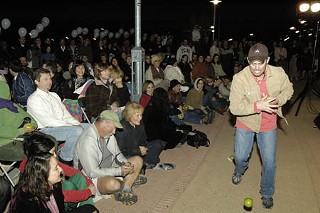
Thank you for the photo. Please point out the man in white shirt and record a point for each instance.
(52, 116)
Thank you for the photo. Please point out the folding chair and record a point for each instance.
(11, 153)
(81, 102)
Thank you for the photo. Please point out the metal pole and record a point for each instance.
(138, 57)
(214, 21)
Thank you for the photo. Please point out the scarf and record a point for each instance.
(157, 74)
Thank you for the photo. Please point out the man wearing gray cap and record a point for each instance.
(257, 94)
(97, 154)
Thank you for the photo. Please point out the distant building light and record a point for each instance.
(292, 28)
(251, 34)
(297, 31)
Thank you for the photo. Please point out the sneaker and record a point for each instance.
(125, 197)
(267, 202)
(141, 179)
(236, 178)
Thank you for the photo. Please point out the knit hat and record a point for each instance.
(174, 83)
(4, 90)
(111, 116)
(258, 52)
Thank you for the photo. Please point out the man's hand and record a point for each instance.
(267, 104)
(127, 168)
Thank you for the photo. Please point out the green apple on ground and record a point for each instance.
(248, 202)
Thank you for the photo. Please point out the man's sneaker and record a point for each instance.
(236, 178)
(141, 179)
(125, 197)
(267, 202)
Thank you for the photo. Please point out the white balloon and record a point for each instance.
(117, 35)
(39, 27)
(22, 32)
(111, 34)
(95, 31)
(45, 21)
(5, 23)
(126, 34)
(79, 30)
(106, 32)
(74, 33)
(121, 31)
(131, 31)
(85, 31)
(33, 33)
(102, 35)
(96, 34)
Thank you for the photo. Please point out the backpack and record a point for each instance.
(197, 138)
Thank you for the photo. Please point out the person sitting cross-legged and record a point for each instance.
(97, 154)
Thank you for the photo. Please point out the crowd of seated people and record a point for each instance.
(124, 137)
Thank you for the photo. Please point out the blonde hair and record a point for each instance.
(117, 73)
(155, 57)
(130, 109)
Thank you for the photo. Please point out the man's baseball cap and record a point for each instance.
(111, 116)
(258, 52)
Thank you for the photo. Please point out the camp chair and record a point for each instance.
(10, 154)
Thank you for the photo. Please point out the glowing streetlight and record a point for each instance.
(215, 3)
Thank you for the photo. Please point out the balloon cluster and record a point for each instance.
(79, 31)
(22, 31)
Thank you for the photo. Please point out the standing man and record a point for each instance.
(257, 94)
(52, 116)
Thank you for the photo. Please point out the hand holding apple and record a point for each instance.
(29, 127)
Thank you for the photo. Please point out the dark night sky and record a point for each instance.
(234, 17)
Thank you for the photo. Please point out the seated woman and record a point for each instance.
(79, 76)
(195, 100)
(132, 140)
(147, 92)
(120, 93)
(157, 121)
(77, 189)
(179, 112)
(39, 187)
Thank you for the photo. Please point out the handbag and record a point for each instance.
(197, 138)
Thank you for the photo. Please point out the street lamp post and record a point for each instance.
(309, 10)
(215, 3)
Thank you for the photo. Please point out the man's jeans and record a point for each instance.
(69, 134)
(267, 146)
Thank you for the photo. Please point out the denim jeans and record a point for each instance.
(69, 134)
(267, 142)
(155, 147)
